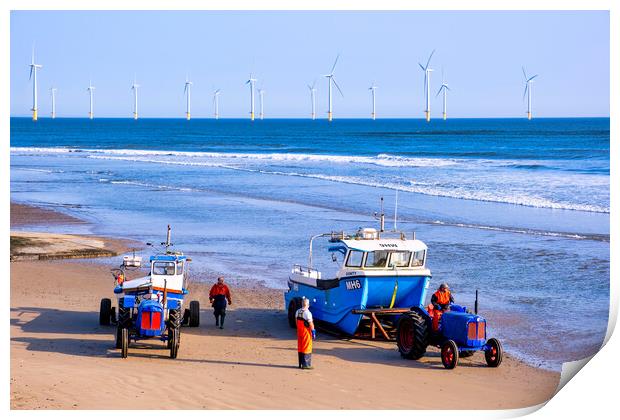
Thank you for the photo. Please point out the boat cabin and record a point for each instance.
(168, 265)
(369, 254)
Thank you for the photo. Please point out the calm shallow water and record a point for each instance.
(516, 209)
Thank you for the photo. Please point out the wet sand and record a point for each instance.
(62, 359)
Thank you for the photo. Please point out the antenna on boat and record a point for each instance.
(381, 217)
(395, 209)
(167, 243)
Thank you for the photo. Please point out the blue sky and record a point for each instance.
(481, 54)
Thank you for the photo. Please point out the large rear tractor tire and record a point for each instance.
(412, 336)
(495, 353)
(449, 354)
(124, 342)
(194, 313)
(293, 306)
(105, 311)
(174, 337)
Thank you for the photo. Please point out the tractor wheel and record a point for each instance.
(412, 336)
(124, 342)
(194, 313)
(124, 317)
(293, 306)
(105, 309)
(174, 319)
(113, 315)
(173, 340)
(494, 354)
(466, 353)
(119, 337)
(449, 354)
(186, 315)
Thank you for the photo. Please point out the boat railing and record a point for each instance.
(306, 271)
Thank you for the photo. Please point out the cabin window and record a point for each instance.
(399, 258)
(180, 267)
(376, 259)
(418, 259)
(163, 268)
(355, 259)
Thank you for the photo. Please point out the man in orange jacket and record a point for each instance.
(305, 334)
(440, 302)
(218, 296)
(442, 298)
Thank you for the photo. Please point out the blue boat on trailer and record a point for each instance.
(380, 271)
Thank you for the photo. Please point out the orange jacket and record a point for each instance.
(304, 336)
(441, 299)
(220, 289)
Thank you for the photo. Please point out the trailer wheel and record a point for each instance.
(124, 342)
(194, 313)
(494, 354)
(412, 336)
(105, 311)
(449, 354)
(293, 306)
(466, 353)
(173, 340)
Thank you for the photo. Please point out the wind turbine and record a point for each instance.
(53, 92)
(91, 90)
(33, 72)
(528, 92)
(312, 99)
(188, 95)
(444, 88)
(372, 89)
(135, 87)
(261, 93)
(251, 81)
(330, 80)
(216, 103)
(427, 86)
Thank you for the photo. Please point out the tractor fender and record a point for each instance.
(422, 312)
(127, 301)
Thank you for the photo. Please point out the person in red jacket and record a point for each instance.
(218, 296)
(305, 334)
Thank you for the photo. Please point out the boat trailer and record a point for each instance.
(374, 319)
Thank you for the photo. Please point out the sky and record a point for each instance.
(480, 54)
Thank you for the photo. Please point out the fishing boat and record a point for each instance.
(380, 272)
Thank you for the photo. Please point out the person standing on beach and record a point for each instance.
(305, 334)
(218, 296)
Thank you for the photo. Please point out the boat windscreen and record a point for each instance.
(376, 259)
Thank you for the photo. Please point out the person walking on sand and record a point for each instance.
(305, 334)
(218, 296)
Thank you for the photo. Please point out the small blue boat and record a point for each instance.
(379, 270)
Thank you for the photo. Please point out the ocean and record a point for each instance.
(516, 209)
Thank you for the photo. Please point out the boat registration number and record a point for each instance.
(353, 284)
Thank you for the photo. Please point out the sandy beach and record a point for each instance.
(62, 359)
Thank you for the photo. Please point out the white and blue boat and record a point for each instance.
(379, 270)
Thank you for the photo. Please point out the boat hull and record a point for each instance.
(333, 304)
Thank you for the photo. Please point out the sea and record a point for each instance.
(516, 209)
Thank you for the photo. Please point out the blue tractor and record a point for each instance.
(151, 307)
(457, 332)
